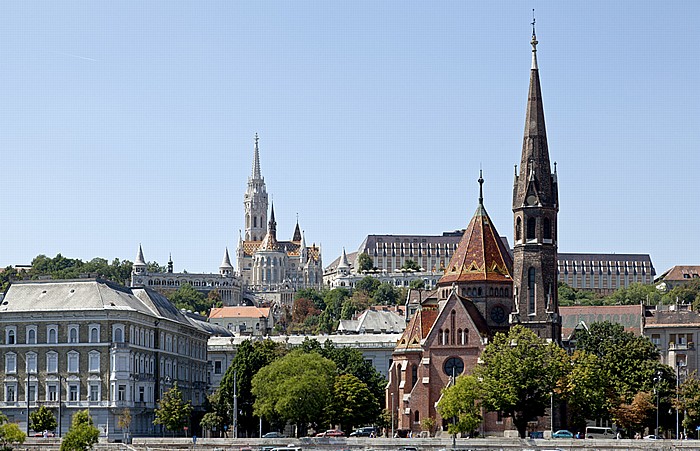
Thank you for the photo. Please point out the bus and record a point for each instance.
(599, 432)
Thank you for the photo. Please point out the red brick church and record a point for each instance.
(484, 290)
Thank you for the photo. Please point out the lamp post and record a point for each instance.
(680, 364)
(392, 415)
(657, 380)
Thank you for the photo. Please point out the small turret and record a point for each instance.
(139, 266)
(344, 265)
(226, 268)
(170, 263)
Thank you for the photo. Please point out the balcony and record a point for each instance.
(681, 346)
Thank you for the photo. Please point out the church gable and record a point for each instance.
(457, 324)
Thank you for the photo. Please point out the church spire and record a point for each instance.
(256, 161)
(534, 43)
(481, 188)
(297, 231)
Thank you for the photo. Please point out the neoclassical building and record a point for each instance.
(270, 267)
(91, 344)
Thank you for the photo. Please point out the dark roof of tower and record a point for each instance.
(297, 233)
(481, 254)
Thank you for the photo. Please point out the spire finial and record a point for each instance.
(481, 188)
(534, 42)
(256, 160)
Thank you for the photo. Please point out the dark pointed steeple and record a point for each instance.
(256, 161)
(297, 231)
(535, 207)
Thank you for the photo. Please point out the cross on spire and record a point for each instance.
(481, 188)
(534, 42)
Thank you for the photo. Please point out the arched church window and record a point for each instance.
(440, 338)
(414, 375)
(531, 228)
(547, 232)
(518, 230)
(416, 418)
(255, 221)
(479, 291)
(531, 290)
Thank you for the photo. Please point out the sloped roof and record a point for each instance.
(239, 312)
(291, 248)
(418, 328)
(682, 273)
(480, 255)
(374, 321)
(629, 316)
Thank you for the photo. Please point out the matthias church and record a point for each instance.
(269, 270)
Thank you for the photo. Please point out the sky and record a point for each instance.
(133, 122)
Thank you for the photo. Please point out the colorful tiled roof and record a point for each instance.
(481, 254)
(417, 329)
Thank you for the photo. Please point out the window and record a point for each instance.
(31, 393)
(416, 417)
(531, 290)
(52, 392)
(94, 334)
(31, 362)
(10, 335)
(414, 375)
(10, 393)
(121, 394)
(142, 394)
(518, 230)
(73, 334)
(217, 366)
(547, 232)
(656, 339)
(94, 362)
(73, 393)
(531, 223)
(94, 391)
(51, 362)
(10, 363)
(31, 335)
(52, 334)
(73, 362)
(118, 336)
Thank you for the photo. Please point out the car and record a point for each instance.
(331, 433)
(274, 434)
(563, 433)
(652, 437)
(41, 434)
(369, 431)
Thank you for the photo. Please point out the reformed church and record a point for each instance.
(484, 290)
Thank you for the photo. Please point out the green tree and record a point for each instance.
(124, 420)
(628, 363)
(573, 296)
(81, 435)
(214, 298)
(334, 301)
(460, 402)
(688, 293)
(11, 434)
(352, 403)
(295, 388)
(635, 294)
(417, 284)
(313, 295)
(386, 294)
(410, 265)
(364, 263)
(689, 401)
(518, 373)
(584, 389)
(186, 297)
(250, 357)
(368, 285)
(302, 308)
(173, 412)
(42, 419)
(210, 421)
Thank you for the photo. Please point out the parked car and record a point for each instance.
(652, 437)
(331, 433)
(42, 434)
(274, 434)
(563, 433)
(368, 431)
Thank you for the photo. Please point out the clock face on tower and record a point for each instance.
(453, 366)
(531, 200)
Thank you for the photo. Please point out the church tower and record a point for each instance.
(255, 201)
(535, 208)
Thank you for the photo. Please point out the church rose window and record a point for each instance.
(453, 366)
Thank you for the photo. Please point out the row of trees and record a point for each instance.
(612, 375)
(635, 294)
(312, 384)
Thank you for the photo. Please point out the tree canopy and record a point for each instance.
(81, 435)
(42, 419)
(173, 412)
(294, 388)
(460, 402)
(519, 373)
(364, 263)
(351, 403)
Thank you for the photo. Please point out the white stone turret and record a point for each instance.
(139, 266)
(226, 268)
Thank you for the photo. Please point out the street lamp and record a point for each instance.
(657, 380)
(680, 364)
(392, 415)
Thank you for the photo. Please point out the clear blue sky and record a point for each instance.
(132, 122)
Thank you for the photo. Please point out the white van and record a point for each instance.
(599, 432)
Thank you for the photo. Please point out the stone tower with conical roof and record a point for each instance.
(480, 269)
(255, 201)
(535, 208)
